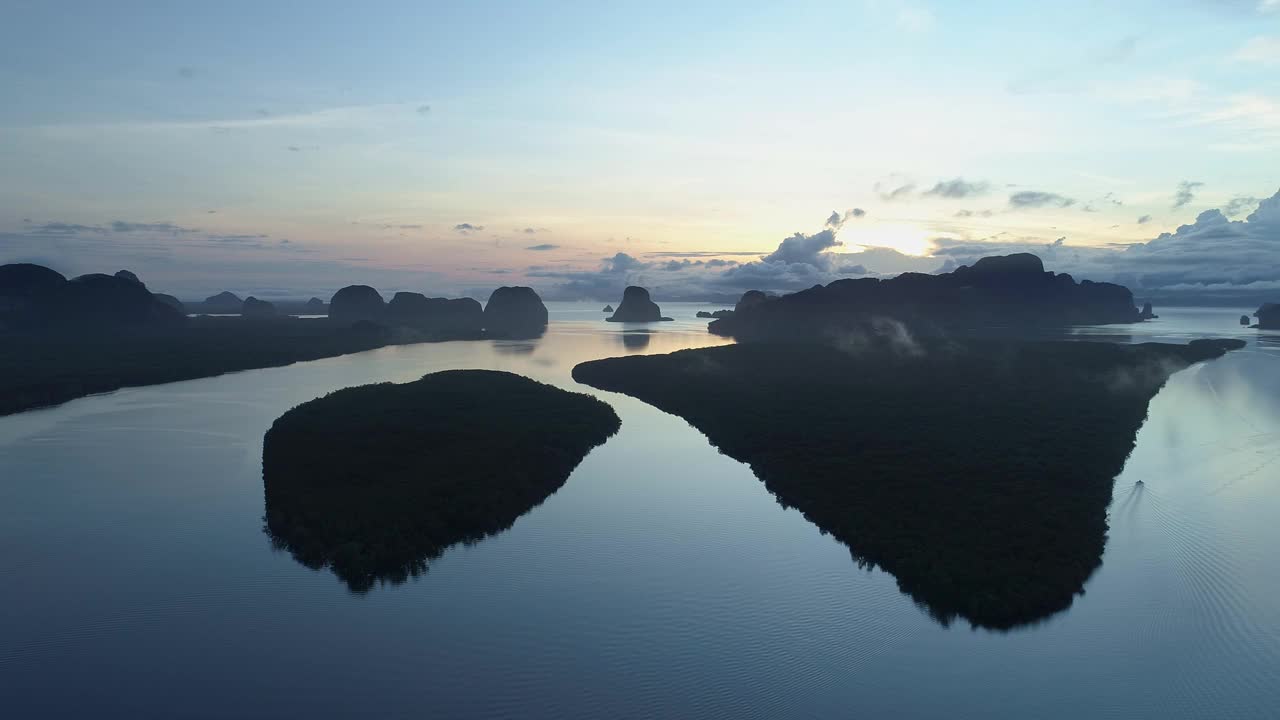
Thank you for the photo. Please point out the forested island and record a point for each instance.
(1010, 293)
(61, 338)
(376, 481)
(978, 473)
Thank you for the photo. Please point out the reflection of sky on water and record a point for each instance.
(661, 580)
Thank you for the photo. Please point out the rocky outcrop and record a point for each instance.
(24, 287)
(99, 301)
(514, 312)
(357, 303)
(1244, 320)
(1005, 292)
(1147, 313)
(316, 306)
(749, 299)
(223, 303)
(715, 315)
(608, 308)
(25, 280)
(255, 308)
(637, 307)
(462, 317)
(33, 297)
(1268, 316)
(171, 301)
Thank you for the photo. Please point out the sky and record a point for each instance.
(286, 149)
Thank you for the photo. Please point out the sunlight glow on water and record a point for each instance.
(661, 580)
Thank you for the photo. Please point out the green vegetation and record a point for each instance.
(39, 369)
(376, 481)
(977, 473)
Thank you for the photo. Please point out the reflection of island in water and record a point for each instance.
(635, 340)
(977, 473)
(376, 481)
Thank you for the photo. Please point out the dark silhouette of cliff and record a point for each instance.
(1010, 291)
(316, 306)
(171, 301)
(462, 317)
(97, 303)
(24, 289)
(374, 482)
(637, 307)
(978, 473)
(357, 303)
(1268, 316)
(514, 312)
(34, 298)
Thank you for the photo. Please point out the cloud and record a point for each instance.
(958, 188)
(1260, 51)
(705, 253)
(62, 228)
(1144, 219)
(1185, 193)
(913, 18)
(804, 249)
(1214, 259)
(622, 263)
(973, 213)
(890, 192)
(121, 226)
(1038, 199)
(186, 72)
(836, 220)
(1238, 204)
(465, 228)
(543, 247)
(423, 109)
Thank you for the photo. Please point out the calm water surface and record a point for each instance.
(661, 580)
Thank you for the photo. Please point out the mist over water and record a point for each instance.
(660, 580)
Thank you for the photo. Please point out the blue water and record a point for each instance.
(662, 580)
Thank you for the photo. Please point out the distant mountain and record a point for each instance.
(1009, 291)
(223, 302)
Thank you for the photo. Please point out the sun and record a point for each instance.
(906, 238)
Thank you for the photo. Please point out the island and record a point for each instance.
(714, 315)
(63, 339)
(374, 482)
(255, 308)
(515, 312)
(608, 308)
(977, 472)
(636, 307)
(1268, 316)
(1007, 293)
